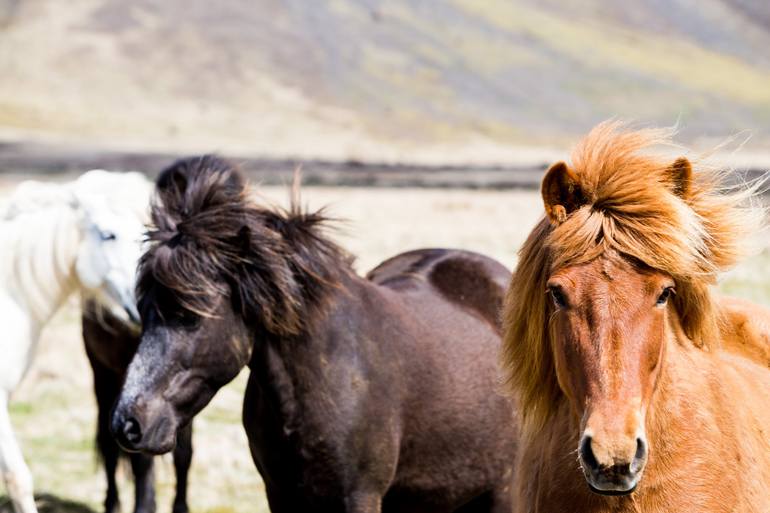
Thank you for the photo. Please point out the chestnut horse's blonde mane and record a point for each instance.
(628, 204)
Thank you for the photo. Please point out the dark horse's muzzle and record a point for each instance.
(135, 432)
(126, 431)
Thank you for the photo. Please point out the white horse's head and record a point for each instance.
(108, 254)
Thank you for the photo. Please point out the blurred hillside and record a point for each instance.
(415, 80)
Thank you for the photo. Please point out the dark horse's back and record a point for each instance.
(467, 279)
(457, 442)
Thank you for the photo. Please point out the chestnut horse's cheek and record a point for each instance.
(654, 373)
(570, 375)
(652, 359)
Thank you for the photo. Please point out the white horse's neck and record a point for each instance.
(40, 256)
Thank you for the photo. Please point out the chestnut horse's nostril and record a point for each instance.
(640, 457)
(587, 453)
(132, 431)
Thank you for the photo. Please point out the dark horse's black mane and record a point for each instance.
(211, 241)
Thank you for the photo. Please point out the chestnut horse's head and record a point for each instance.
(620, 267)
(609, 323)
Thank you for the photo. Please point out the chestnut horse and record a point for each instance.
(365, 395)
(638, 390)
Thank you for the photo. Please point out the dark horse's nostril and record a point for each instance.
(587, 453)
(132, 431)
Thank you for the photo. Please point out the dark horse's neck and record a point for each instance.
(289, 289)
(288, 368)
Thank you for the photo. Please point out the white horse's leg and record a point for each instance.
(15, 473)
(17, 347)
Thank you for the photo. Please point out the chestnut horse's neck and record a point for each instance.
(692, 431)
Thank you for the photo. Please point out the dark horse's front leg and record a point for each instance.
(144, 481)
(144, 476)
(107, 387)
(360, 502)
(182, 459)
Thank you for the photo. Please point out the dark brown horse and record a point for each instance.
(110, 346)
(365, 395)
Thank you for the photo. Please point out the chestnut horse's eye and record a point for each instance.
(557, 296)
(663, 298)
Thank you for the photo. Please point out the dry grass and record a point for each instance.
(54, 410)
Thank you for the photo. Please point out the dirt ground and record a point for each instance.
(54, 410)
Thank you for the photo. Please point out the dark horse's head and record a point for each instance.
(220, 272)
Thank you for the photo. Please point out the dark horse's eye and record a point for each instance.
(557, 296)
(663, 298)
(107, 236)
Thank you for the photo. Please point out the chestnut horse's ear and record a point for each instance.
(561, 191)
(680, 174)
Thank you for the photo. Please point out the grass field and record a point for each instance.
(54, 410)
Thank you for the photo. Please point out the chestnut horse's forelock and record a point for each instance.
(210, 241)
(629, 206)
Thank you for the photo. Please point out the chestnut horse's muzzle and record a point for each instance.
(619, 478)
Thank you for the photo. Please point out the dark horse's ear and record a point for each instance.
(244, 239)
(173, 179)
(680, 175)
(561, 191)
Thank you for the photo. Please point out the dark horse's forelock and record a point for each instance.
(210, 241)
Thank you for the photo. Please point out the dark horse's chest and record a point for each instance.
(309, 422)
(306, 458)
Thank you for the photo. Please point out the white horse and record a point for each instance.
(55, 240)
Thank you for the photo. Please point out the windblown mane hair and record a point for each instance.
(628, 205)
(210, 241)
